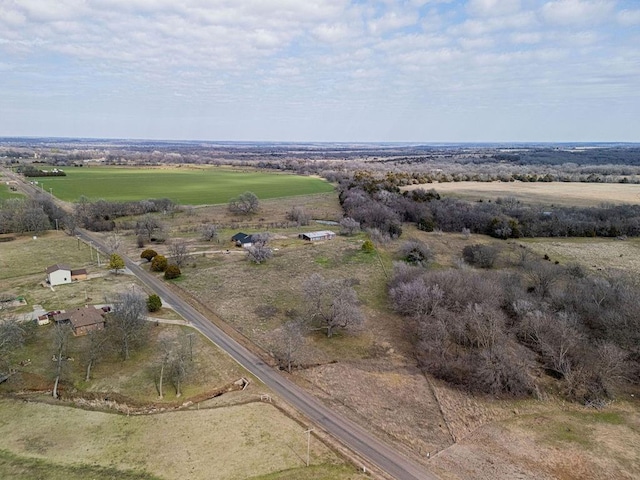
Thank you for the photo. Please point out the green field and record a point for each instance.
(6, 193)
(184, 185)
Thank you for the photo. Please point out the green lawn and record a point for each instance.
(6, 193)
(184, 185)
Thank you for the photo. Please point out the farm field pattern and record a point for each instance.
(191, 186)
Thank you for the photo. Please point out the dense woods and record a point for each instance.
(524, 329)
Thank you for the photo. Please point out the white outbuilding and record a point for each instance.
(58, 274)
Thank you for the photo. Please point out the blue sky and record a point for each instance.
(332, 70)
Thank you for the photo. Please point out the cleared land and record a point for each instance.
(600, 254)
(552, 193)
(184, 185)
(235, 442)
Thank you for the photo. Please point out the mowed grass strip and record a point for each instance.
(187, 186)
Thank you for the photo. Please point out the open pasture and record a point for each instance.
(235, 442)
(546, 193)
(184, 185)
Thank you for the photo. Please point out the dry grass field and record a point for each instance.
(235, 442)
(546, 441)
(552, 193)
(598, 254)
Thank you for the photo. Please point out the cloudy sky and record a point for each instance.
(322, 70)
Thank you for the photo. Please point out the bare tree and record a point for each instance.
(287, 343)
(542, 277)
(348, 226)
(299, 215)
(259, 252)
(210, 232)
(180, 364)
(97, 347)
(113, 242)
(416, 299)
(62, 332)
(244, 204)
(174, 362)
(165, 356)
(12, 336)
(178, 252)
(148, 225)
(331, 304)
(69, 224)
(126, 324)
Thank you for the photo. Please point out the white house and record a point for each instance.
(58, 274)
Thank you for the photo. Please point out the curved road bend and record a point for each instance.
(352, 435)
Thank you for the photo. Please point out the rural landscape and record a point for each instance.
(318, 311)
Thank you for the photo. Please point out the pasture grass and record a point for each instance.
(30, 468)
(186, 185)
(235, 442)
(6, 193)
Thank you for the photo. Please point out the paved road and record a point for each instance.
(352, 435)
(349, 433)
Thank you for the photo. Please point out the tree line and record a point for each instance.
(378, 204)
(516, 330)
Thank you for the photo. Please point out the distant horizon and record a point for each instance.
(60, 139)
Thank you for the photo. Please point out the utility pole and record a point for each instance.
(308, 432)
(56, 224)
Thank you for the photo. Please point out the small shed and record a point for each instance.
(85, 320)
(58, 274)
(79, 274)
(317, 236)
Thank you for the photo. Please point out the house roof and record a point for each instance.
(62, 317)
(241, 237)
(85, 316)
(56, 267)
(79, 271)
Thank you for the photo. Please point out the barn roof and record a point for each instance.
(56, 267)
(319, 234)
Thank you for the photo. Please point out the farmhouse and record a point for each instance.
(316, 236)
(58, 274)
(86, 319)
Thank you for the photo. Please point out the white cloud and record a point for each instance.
(629, 17)
(577, 11)
(259, 60)
(486, 8)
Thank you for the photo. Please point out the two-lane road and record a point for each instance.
(349, 433)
